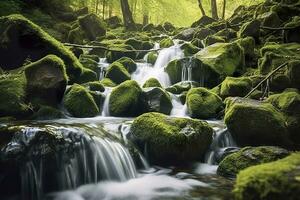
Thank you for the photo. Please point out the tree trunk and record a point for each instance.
(201, 8)
(103, 9)
(127, 15)
(214, 9)
(145, 19)
(96, 6)
(224, 9)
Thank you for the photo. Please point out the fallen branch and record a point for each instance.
(277, 28)
(107, 49)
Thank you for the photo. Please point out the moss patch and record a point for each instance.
(152, 82)
(117, 73)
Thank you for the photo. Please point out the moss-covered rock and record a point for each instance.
(212, 39)
(46, 80)
(23, 38)
(128, 63)
(92, 26)
(189, 49)
(117, 73)
(126, 100)
(227, 34)
(79, 102)
(118, 51)
(47, 113)
(292, 35)
(76, 36)
(248, 45)
(171, 140)
(152, 57)
(251, 29)
(235, 87)
(186, 34)
(203, 104)
(169, 27)
(270, 181)
(181, 87)
(232, 164)
(13, 94)
(203, 21)
(166, 43)
(158, 100)
(94, 86)
(108, 83)
(202, 33)
(294, 73)
(254, 123)
(223, 58)
(152, 82)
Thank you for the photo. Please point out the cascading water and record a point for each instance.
(105, 108)
(179, 109)
(186, 74)
(102, 64)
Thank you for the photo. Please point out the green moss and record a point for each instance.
(189, 49)
(223, 58)
(202, 33)
(80, 103)
(171, 140)
(152, 82)
(139, 44)
(249, 156)
(126, 100)
(87, 75)
(166, 43)
(248, 45)
(128, 63)
(180, 87)
(44, 44)
(10, 7)
(212, 39)
(117, 73)
(107, 82)
(253, 123)
(12, 98)
(235, 87)
(174, 70)
(152, 57)
(290, 49)
(203, 104)
(272, 181)
(95, 86)
(251, 29)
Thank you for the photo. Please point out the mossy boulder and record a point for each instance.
(126, 100)
(23, 38)
(189, 49)
(139, 44)
(13, 96)
(294, 73)
(169, 26)
(186, 34)
(47, 113)
(158, 100)
(248, 45)
(202, 33)
(181, 87)
(118, 51)
(203, 21)
(108, 83)
(171, 140)
(117, 73)
(151, 57)
(166, 43)
(79, 102)
(270, 181)
(235, 87)
(92, 26)
(269, 19)
(46, 80)
(232, 164)
(76, 36)
(225, 59)
(212, 39)
(291, 35)
(203, 104)
(94, 86)
(251, 29)
(152, 82)
(128, 63)
(253, 123)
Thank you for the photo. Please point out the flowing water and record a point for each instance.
(102, 64)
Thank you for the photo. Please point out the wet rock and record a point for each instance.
(152, 57)
(158, 100)
(203, 104)
(117, 73)
(79, 102)
(232, 164)
(171, 140)
(46, 80)
(254, 123)
(235, 87)
(262, 181)
(127, 100)
(92, 26)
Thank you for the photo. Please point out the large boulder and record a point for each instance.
(22, 39)
(117, 73)
(254, 123)
(128, 63)
(158, 100)
(203, 104)
(46, 80)
(13, 96)
(224, 58)
(274, 180)
(232, 164)
(251, 29)
(235, 87)
(202, 33)
(92, 26)
(171, 140)
(127, 100)
(79, 102)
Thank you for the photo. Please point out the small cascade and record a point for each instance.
(222, 141)
(186, 74)
(105, 108)
(178, 110)
(78, 159)
(102, 64)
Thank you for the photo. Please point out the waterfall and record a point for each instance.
(78, 158)
(146, 71)
(102, 64)
(105, 108)
(178, 110)
(186, 73)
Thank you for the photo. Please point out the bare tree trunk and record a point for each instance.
(201, 8)
(224, 9)
(96, 6)
(145, 19)
(214, 9)
(110, 11)
(127, 15)
(103, 9)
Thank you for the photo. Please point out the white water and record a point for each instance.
(186, 74)
(102, 64)
(178, 110)
(105, 108)
(146, 71)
